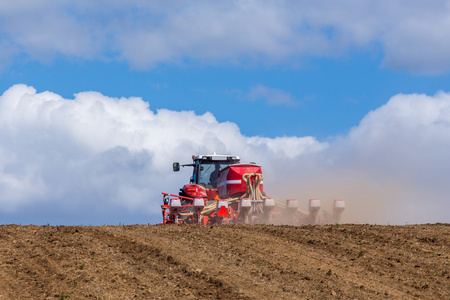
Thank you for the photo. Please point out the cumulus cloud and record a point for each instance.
(94, 151)
(95, 159)
(412, 37)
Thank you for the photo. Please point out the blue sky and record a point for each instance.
(268, 74)
(329, 95)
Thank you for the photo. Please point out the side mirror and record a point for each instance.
(176, 166)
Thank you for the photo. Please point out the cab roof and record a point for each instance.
(216, 157)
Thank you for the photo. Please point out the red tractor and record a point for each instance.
(222, 190)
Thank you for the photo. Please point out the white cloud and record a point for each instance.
(399, 154)
(95, 151)
(95, 159)
(413, 37)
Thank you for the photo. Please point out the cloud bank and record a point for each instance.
(412, 37)
(95, 159)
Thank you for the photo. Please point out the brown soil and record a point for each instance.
(225, 262)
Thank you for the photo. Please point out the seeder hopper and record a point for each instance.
(224, 191)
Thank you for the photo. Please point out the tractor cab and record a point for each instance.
(203, 182)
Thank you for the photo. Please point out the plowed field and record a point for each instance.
(225, 262)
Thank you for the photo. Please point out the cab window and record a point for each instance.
(209, 172)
